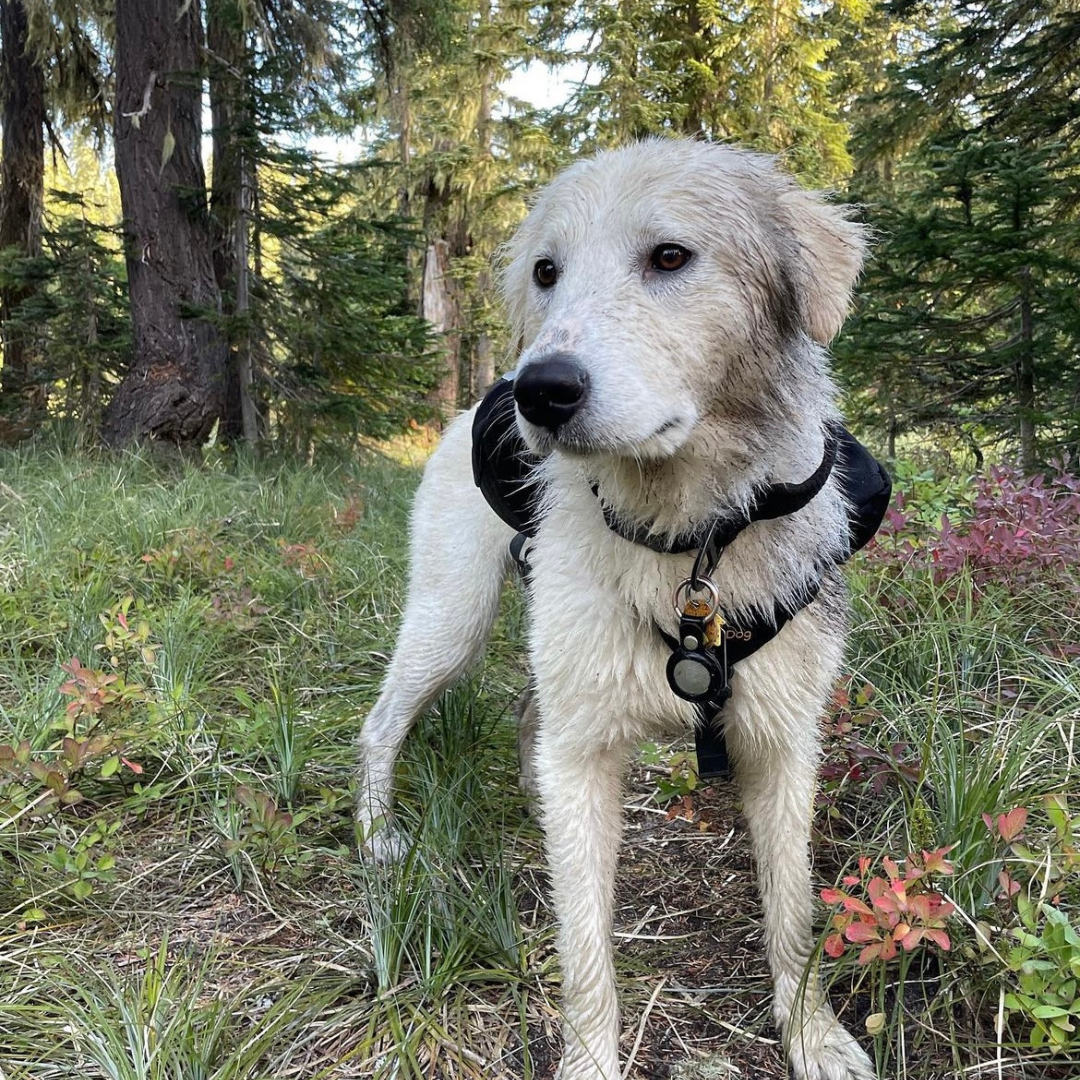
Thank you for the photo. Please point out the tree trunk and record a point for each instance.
(481, 357)
(22, 178)
(483, 369)
(442, 309)
(692, 119)
(230, 204)
(175, 388)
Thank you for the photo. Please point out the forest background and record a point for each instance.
(189, 641)
(166, 223)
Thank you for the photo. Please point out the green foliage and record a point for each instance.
(164, 1019)
(346, 350)
(232, 621)
(1038, 957)
(677, 772)
(963, 161)
(454, 772)
(924, 494)
(76, 316)
(968, 324)
(686, 68)
(1046, 964)
(963, 721)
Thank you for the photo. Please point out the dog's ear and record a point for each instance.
(832, 248)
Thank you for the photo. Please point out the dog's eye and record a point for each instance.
(668, 257)
(545, 273)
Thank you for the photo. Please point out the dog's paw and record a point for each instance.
(382, 842)
(828, 1053)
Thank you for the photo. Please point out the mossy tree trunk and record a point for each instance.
(22, 182)
(175, 388)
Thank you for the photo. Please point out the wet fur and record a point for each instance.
(704, 385)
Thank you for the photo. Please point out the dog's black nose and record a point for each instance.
(550, 391)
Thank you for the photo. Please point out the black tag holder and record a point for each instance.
(700, 672)
(697, 671)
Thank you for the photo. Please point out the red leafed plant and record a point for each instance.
(1020, 528)
(1013, 530)
(900, 911)
(91, 691)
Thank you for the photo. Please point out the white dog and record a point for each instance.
(673, 300)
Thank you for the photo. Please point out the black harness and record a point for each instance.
(709, 643)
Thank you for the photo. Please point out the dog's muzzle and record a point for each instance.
(551, 390)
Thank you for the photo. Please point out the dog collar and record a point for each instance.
(699, 669)
(773, 501)
(709, 644)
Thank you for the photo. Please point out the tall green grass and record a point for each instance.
(267, 592)
(972, 691)
(199, 909)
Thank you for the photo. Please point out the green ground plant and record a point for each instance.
(186, 654)
(963, 730)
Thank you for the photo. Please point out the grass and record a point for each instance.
(179, 892)
(974, 698)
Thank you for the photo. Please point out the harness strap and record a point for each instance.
(506, 472)
(775, 500)
(713, 761)
(742, 639)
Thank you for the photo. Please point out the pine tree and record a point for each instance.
(968, 325)
(314, 302)
(755, 73)
(462, 158)
(230, 58)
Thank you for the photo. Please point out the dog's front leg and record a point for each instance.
(775, 764)
(580, 795)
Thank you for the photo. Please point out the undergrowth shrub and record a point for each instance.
(1009, 529)
(1021, 529)
(956, 732)
(1037, 959)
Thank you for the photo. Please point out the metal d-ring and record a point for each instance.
(688, 588)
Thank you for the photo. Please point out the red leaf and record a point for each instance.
(871, 952)
(940, 938)
(1011, 825)
(934, 861)
(862, 931)
(912, 938)
(853, 903)
(1009, 887)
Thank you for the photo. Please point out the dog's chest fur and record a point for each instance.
(597, 601)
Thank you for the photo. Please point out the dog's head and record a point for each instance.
(666, 281)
